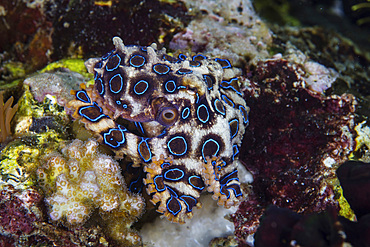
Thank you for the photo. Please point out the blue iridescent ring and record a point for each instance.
(120, 87)
(139, 83)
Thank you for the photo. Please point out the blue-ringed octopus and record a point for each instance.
(181, 118)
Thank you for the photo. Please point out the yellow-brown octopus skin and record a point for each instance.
(182, 119)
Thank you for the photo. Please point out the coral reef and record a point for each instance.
(177, 121)
(296, 139)
(55, 83)
(6, 115)
(18, 211)
(80, 180)
(280, 226)
(229, 30)
(332, 51)
(182, 119)
(362, 150)
(22, 223)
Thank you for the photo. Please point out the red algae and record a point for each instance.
(294, 142)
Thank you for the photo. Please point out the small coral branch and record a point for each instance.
(6, 114)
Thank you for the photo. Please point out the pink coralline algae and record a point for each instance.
(18, 212)
(295, 140)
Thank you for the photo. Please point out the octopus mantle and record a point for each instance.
(182, 119)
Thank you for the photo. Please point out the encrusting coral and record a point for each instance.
(6, 114)
(82, 179)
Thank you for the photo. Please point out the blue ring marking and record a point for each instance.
(118, 143)
(210, 140)
(214, 103)
(160, 64)
(199, 188)
(137, 66)
(195, 65)
(155, 184)
(235, 193)
(203, 121)
(133, 183)
(197, 99)
(174, 169)
(164, 132)
(187, 205)
(147, 145)
(165, 164)
(173, 192)
(185, 113)
(205, 79)
(224, 60)
(237, 130)
(173, 198)
(219, 167)
(184, 72)
(87, 96)
(227, 100)
(229, 86)
(139, 126)
(144, 48)
(173, 60)
(119, 62)
(124, 106)
(99, 80)
(199, 55)
(176, 137)
(118, 102)
(87, 117)
(110, 86)
(228, 192)
(182, 57)
(174, 86)
(147, 86)
(106, 56)
(98, 65)
(245, 118)
(179, 87)
(230, 179)
(236, 151)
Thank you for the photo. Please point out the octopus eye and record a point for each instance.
(167, 116)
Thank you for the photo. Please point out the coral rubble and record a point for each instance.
(80, 179)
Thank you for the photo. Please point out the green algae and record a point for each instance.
(20, 159)
(345, 208)
(73, 64)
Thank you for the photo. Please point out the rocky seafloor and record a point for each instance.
(304, 156)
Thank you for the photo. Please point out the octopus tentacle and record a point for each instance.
(224, 186)
(176, 189)
(115, 136)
